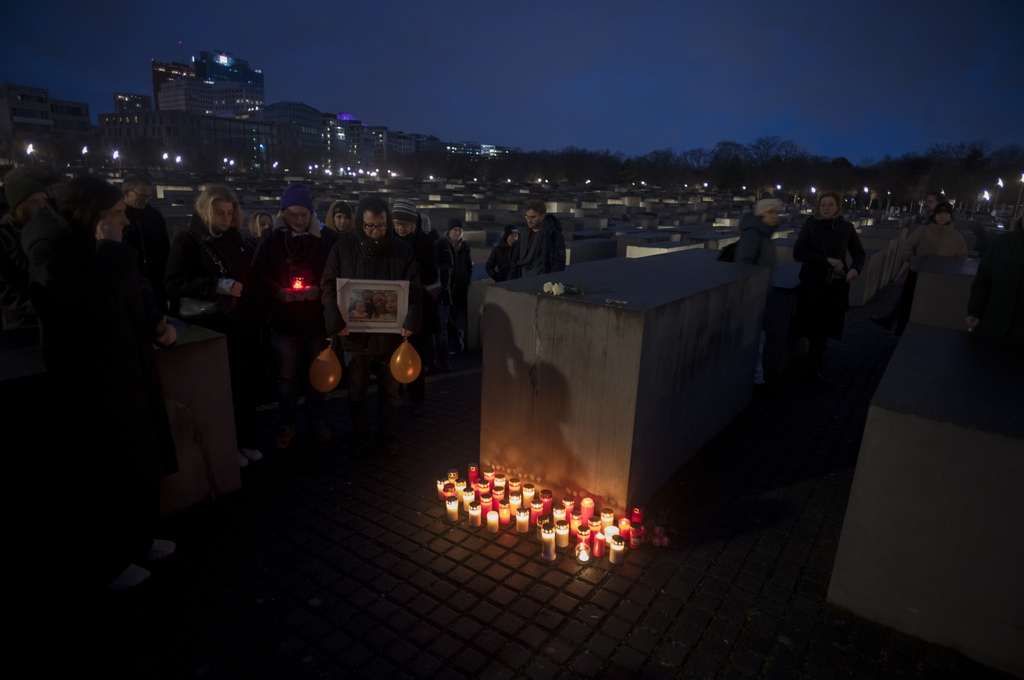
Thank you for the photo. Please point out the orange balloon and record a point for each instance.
(325, 371)
(405, 363)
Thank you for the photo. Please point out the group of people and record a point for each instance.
(831, 257)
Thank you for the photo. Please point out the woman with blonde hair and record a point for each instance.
(260, 222)
(210, 283)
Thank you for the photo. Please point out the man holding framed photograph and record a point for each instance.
(372, 251)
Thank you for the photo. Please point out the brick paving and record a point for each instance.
(329, 567)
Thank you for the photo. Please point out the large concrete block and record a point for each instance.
(609, 392)
(865, 285)
(943, 290)
(197, 389)
(933, 540)
(589, 250)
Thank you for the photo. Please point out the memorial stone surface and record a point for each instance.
(932, 540)
(608, 392)
(943, 289)
(197, 390)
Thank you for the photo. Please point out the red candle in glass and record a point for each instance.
(504, 512)
(515, 485)
(575, 520)
(587, 506)
(548, 499)
(498, 493)
(489, 476)
(536, 510)
(598, 544)
(298, 283)
(448, 489)
(474, 473)
(638, 515)
(636, 535)
(624, 528)
(486, 503)
(583, 534)
(568, 504)
(595, 525)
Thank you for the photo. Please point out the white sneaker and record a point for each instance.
(251, 454)
(242, 460)
(130, 577)
(160, 549)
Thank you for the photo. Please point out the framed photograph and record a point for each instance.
(370, 306)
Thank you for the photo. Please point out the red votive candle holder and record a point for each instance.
(474, 473)
(583, 534)
(575, 520)
(637, 515)
(504, 512)
(636, 535)
(515, 485)
(569, 504)
(587, 507)
(598, 544)
(548, 499)
(624, 528)
(536, 510)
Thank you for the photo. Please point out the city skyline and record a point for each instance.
(539, 76)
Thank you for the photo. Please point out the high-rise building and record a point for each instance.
(167, 71)
(125, 102)
(218, 66)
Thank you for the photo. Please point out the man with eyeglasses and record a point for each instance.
(147, 233)
(372, 251)
(541, 245)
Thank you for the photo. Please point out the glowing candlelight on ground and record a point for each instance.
(599, 544)
(607, 518)
(583, 535)
(562, 533)
(624, 528)
(575, 520)
(528, 493)
(492, 522)
(638, 515)
(440, 488)
(522, 520)
(515, 499)
(474, 514)
(504, 512)
(595, 525)
(460, 485)
(548, 499)
(536, 510)
(515, 485)
(617, 550)
(541, 521)
(486, 502)
(559, 514)
(498, 494)
(611, 531)
(489, 476)
(474, 473)
(636, 535)
(568, 504)
(499, 479)
(583, 553)
(468, 496)
(452, 503)
(453, 475)
(447, 490)
(587, 506)
(547, 542)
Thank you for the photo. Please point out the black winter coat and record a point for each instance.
(282, 257)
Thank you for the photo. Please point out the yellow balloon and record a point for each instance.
(325, 371)
(405, 363)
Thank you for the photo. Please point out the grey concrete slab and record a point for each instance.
(943, 290)
(931, 544)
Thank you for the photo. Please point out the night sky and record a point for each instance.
(855, 79)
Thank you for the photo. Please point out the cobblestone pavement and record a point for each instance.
(329, 567)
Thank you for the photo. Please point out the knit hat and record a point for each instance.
(404, 210)
(766, 204)
(22, 182)
(297, 194)
(509, 229)
(454, 223)
(943, 207)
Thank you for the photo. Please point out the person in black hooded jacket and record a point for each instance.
(500, 259)
(372, 251)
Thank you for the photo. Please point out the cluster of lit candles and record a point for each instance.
(490, 499)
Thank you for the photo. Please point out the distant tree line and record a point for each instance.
(963, 171)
